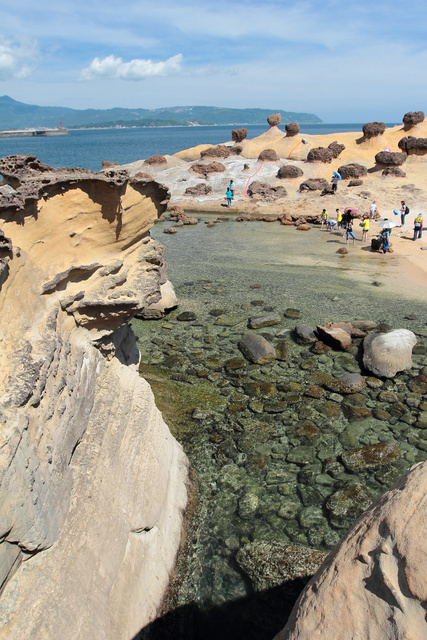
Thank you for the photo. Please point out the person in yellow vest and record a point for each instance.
(418, 226)
(324, 218)
(365, 228)
(339, 218)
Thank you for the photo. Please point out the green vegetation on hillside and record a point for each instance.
(18, 115)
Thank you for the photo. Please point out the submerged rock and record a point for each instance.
(371, 456)
(257, 349)
(270, 564)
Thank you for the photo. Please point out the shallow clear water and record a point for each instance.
(266, 445)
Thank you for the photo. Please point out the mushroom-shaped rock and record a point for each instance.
(372, 129)
(385, 354)
(390, 158)
(411, 145)
(218, 151)
(395, 172)
(236, 150)
(352, 170)
(320, 154)
(314, 184)
(268, 155)
(257, 349)
(238, 135)
(412, 118)
(156, 159)
(206, 169)
(265, 191)
(336, 148)
(274, 119)
(289, 171)
(376, 578)
(201, 189)
(292, 129)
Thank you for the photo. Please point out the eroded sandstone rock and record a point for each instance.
(314, 184)
(373, 585)
(289, 171)
(218, 151)
(390, 158)
(292, 129)
(206, 169)
(412, 118)
(268, 155)
(373, 129)
(274, 119)
(238, 135)
(352, 170)
(320, 154)
(82, 439)
(265, 191)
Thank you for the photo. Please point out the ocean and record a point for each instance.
(87, 148)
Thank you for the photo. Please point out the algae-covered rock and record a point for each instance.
(270, 564)
(346, 504)
(371, 456)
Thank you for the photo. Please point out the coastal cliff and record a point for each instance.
(93, 485)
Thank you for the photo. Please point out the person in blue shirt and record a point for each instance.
(229, 195)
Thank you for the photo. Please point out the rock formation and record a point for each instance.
(268, 155)
(412, 118)
(320, 154)
(238, 135)
(352, 170)
(390, 158)
(274, 119)
(292, 129)
(218, 151)
(413, 146)
(206, 169)
(373, 585)
(92, 486)
(289, 171)
(314, 184)
(336, 148)
(201, 189)
(265, 191)
(156, 159)
(373, 129)
(395, 172)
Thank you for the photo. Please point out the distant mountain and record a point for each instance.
(18, 115)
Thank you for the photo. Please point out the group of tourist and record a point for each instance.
(345, 221)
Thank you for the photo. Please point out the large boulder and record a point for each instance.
(218, 151)
(336, 148)
(390, 158)
(372, 129)
(412, 118)
(268, 155)
(292, 129)
(238, 135)
(352, 170)
(314, 184)
(201, 189)
(411, 145)
(156, 159)
(320, 154)
(274, 119)
(289, 171)
(385, 354)
(264, 191)
(374, 584)
(206, 169)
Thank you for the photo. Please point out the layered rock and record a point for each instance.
(373, 585)
(92, 486)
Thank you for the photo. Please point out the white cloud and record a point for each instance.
(138, 69)
(18, 59)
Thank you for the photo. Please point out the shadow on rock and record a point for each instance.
(257, 617)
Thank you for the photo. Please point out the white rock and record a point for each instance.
(385, 354)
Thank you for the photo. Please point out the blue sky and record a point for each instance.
(345, 60)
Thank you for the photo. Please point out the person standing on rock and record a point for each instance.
(373, 210)
(404, 210)
(324, 218)
(418, 226)
(228, 195)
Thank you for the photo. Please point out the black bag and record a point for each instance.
(376, 244)
(406, 210)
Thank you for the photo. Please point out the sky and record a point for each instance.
(344, 60)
